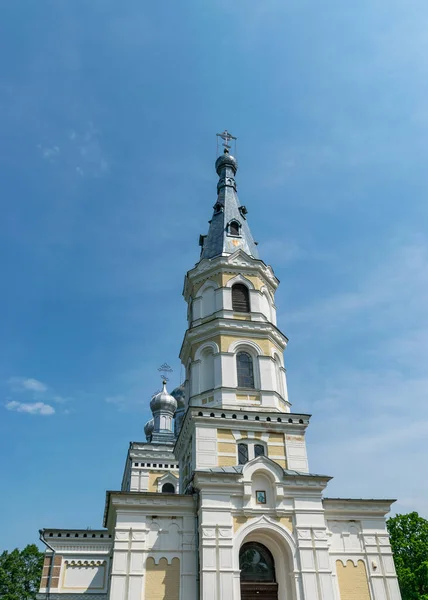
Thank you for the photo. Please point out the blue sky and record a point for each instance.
(108, 113)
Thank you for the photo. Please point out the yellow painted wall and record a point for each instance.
(276, 438)
(226, 447)
(163, 579)
(247, 398)
(286, 522)
(276, 451)
(153, 477)
(265, 344)
(225, 435)
(238, 522)
(153, 480)
(221, 279)
(224, 342)
(227, 461)
(353, 583)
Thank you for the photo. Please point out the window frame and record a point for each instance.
(251, 446)
(169, 492)
(250, 382)
(236, 225)
(262, 453)
(236, 302)
(240, 446)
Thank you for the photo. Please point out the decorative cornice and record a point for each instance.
(168, 456)
(291, 423)
(221, 326)
(74, 548)
(79, 596)
(234, 263)
(350, 506)
(71, 538)
(165, 504)
(85, 563)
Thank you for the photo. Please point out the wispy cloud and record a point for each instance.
(31, 408)
(372, 401)
(34, 396)
(48, 153)
(395, 284)
(119, 401)
(20, 384)
(78, 151)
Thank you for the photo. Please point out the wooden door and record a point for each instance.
(257, 566)
(259, 591)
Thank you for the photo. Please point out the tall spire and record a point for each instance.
(229, 230)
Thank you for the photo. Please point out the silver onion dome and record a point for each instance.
(226, 160)
(148, 428)
(163, 402)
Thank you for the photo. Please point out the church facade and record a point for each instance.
(219, 502)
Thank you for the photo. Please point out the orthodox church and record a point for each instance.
(219, 502)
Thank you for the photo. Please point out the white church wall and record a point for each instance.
(87, 575)
(356, 540)
(81, 564)
(154, 549)
(206, 447)
(297, 458)
(226, 298)
(228, 370)
(292, 527)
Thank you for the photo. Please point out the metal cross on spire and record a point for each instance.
(226, 137)
(164, 369)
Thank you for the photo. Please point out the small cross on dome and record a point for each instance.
(226, 137)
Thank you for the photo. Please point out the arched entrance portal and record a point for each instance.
(257, 573)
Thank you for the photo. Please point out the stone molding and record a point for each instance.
(72, 548)
(222, 326)
(154, 502)
(84, 563)
(77, 596)
(239, 260)
(355, 507)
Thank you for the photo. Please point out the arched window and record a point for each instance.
(259, 450)
(245, 371)
(234, 227)
(168, 488)
(242, 454)
(240, 298)
(256, 563)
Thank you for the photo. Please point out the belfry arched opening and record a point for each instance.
(257, 568)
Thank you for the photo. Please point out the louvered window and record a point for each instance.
(240, 298)
(245, 371)
(259, 450)
(234, 228)
(242, 454)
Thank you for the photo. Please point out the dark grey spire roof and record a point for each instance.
(224, 238)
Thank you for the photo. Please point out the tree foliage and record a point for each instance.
(20, 573)
(409, 542)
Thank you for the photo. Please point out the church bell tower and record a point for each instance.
(233, 350)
